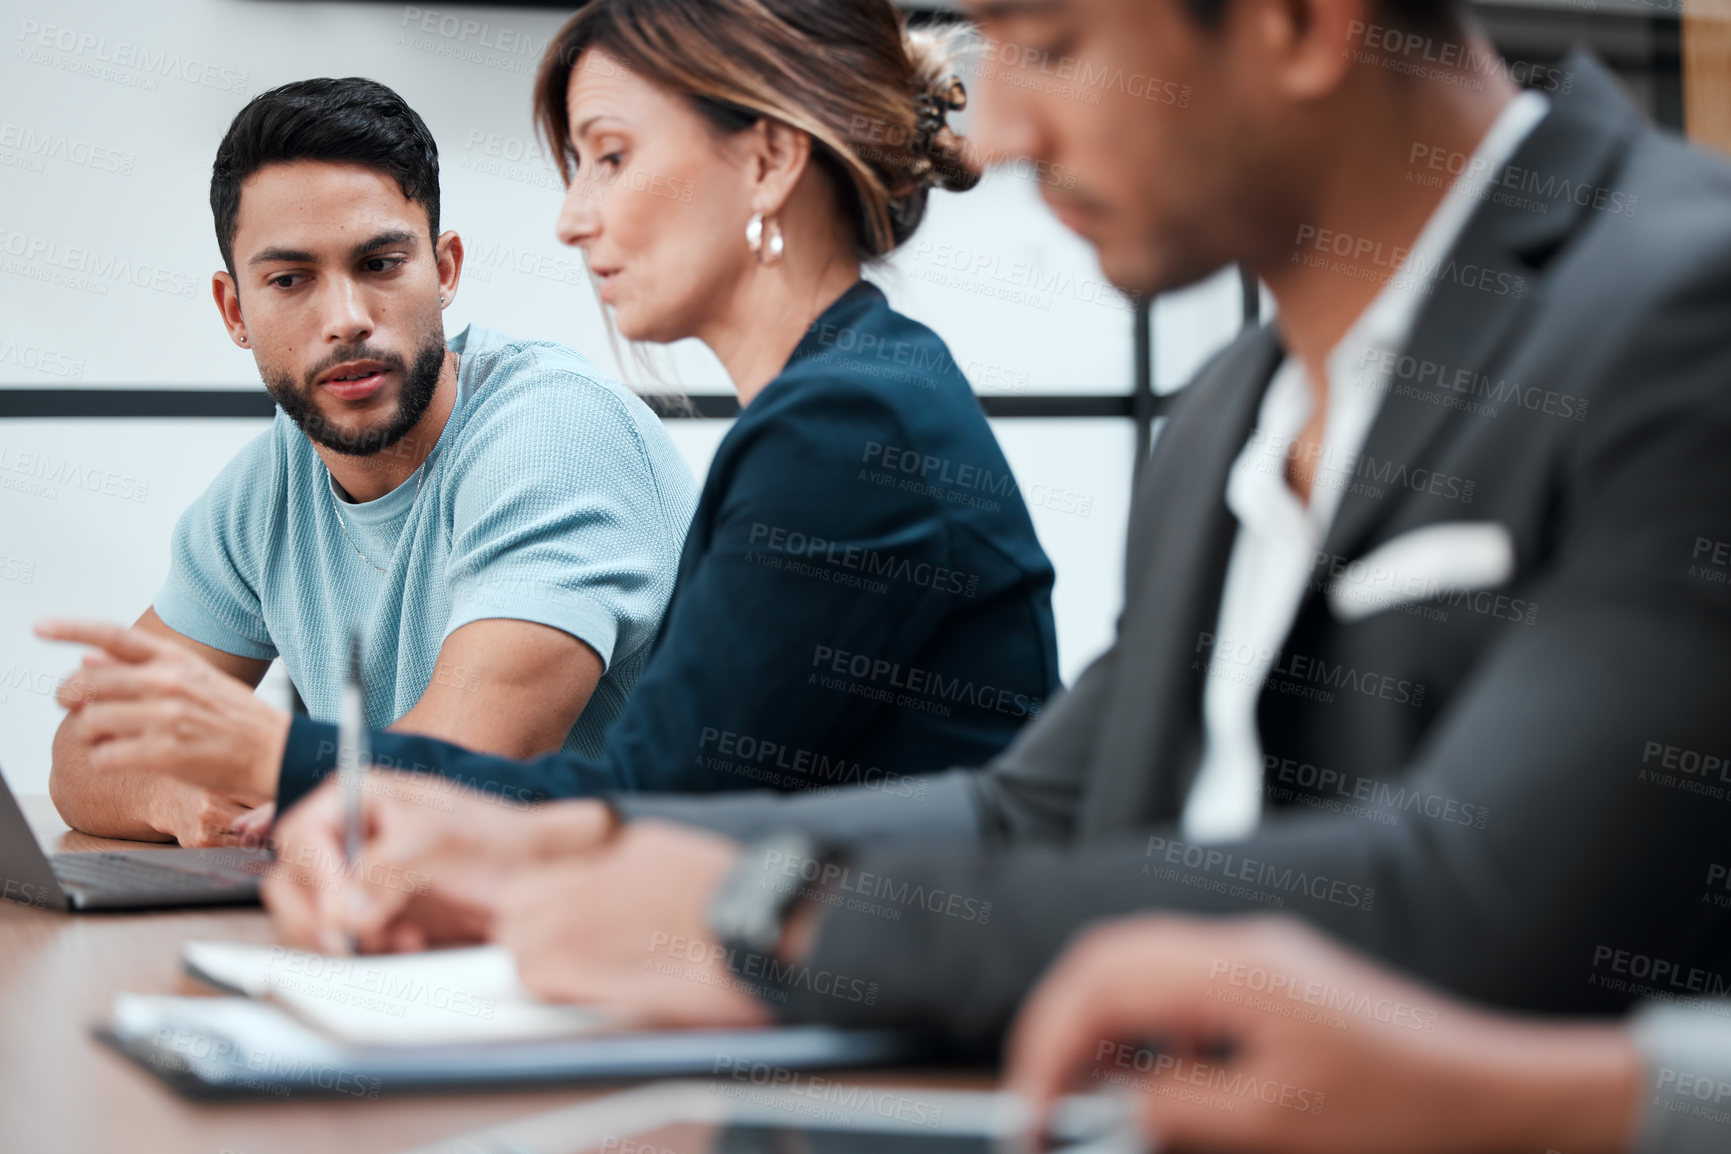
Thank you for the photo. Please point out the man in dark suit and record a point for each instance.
(1493, 742)
(1426, 628)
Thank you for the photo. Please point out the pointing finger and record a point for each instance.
(116, 640)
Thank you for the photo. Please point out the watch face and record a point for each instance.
(737, 922)
(750, 906)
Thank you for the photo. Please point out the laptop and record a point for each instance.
(120, 879)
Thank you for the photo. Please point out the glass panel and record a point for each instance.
(1075, 477)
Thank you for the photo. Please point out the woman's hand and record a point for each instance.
(435, 860)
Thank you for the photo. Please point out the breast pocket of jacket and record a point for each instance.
(1433, 571)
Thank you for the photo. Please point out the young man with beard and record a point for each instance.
(500, 522)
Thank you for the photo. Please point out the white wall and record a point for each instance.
(111, 113)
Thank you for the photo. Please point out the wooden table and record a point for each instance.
(63, 1092)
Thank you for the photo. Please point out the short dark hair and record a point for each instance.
(1429, 16)
(352, 120)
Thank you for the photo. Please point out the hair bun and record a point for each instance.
(944, 160)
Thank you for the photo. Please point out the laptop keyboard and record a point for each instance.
(119, 873)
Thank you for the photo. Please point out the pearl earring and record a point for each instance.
(764, 236)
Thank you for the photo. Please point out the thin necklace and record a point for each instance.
(420, 475)
(338, 506)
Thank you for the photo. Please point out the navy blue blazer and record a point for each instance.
(861, 597)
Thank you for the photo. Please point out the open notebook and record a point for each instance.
(305, 1023)
(435, 998)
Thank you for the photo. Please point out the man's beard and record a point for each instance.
(417, 393)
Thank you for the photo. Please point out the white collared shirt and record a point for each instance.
(1279, 536)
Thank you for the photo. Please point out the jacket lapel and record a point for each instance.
(1465, 328)
(1181, 531)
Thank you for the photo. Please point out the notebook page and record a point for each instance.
(433, 998)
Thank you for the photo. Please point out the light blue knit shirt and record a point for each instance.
(553, 495)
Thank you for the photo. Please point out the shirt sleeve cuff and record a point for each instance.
(568, 610)
(183, 613)
(311, 754)
(1685, 1049)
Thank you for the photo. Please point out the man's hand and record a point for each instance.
(149, 705)
(199, 817)
(435, 860)
(1344, 1058)
(133, 803)
(253, 827)
(625, 929)
(147, 807)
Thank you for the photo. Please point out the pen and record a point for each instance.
(352, 757)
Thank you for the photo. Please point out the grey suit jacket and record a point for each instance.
(1515, 792)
